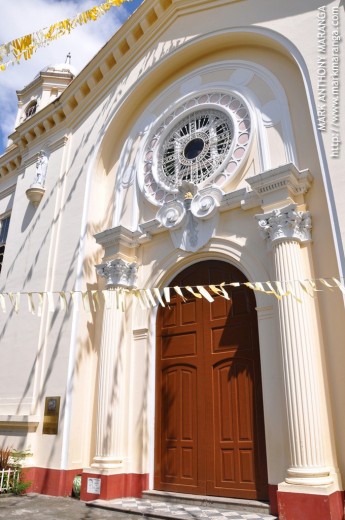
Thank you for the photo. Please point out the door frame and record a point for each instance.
(165, 279)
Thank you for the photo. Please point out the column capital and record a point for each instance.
(285, 224)
(118, 272)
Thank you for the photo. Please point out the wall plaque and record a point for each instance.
(94, 486)
(51, 415)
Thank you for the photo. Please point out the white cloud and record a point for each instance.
(23, 17)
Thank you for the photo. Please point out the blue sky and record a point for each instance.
(22, 17)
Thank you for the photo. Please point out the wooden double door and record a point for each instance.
(209, 415)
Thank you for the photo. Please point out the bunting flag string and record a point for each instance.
(93, 300)
(25, 46)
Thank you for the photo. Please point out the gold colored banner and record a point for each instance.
(25, 46)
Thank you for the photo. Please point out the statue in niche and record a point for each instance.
(41, 168)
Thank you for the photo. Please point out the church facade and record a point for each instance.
(197, 156)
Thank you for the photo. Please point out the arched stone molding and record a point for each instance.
(218, 249)
(255, 35)
(242, 72)
(239, 86)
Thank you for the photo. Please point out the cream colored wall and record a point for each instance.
(50, 256)
(91, 187)
(306, 157)
(33, 367)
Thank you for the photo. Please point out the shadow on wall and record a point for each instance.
(56, 322)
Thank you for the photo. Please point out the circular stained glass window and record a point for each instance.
(195, 147)
(202, 139)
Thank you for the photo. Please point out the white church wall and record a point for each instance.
(91, 186)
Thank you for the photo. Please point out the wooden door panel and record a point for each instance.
(179, 392)
(179, 432)
(170, 464)
(220, 308)
(188, 469)
(224, 406)
(188, 312)
(235, 337)
(169, 316)
(227, 468)
(241, 302)
(170, 411)
(188, 397)
(243, 375)
(178, 314)
(246, 466)
(209, 434)
(233, 439)
(179, 345)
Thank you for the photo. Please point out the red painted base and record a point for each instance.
(52, 482)
(289, 506)
(273, 499)
(300, 506)
(115, 486)
(59, 483)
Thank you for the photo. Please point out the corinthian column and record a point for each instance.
(285, 229)
(110, 412)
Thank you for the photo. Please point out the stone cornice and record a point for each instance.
(39, 80)
(8, 191)
(233, 199)
(283, 183)
(10, 161)
(118, 236)
(128, 44)
(113, 57)
(119, 242)
(58, 143)
(287, 179)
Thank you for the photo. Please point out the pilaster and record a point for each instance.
(285, 229)
(111, 375)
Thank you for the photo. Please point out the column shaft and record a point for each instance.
(299, 349)
(285, 229)
(110, 375)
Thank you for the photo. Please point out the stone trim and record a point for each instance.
(286, 177)
(28, 423)
(124, 42)
(118, 236)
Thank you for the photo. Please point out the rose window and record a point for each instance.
(202, 140)
(195, 147)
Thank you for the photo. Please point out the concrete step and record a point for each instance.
(160, 508)
(230, 504)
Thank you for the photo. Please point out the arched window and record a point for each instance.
(4, 225)
(31, 108)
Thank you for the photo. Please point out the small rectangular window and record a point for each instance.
(4, 225)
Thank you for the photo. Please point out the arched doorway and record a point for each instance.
(209, 416)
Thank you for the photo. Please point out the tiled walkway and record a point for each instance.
(155, 509)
